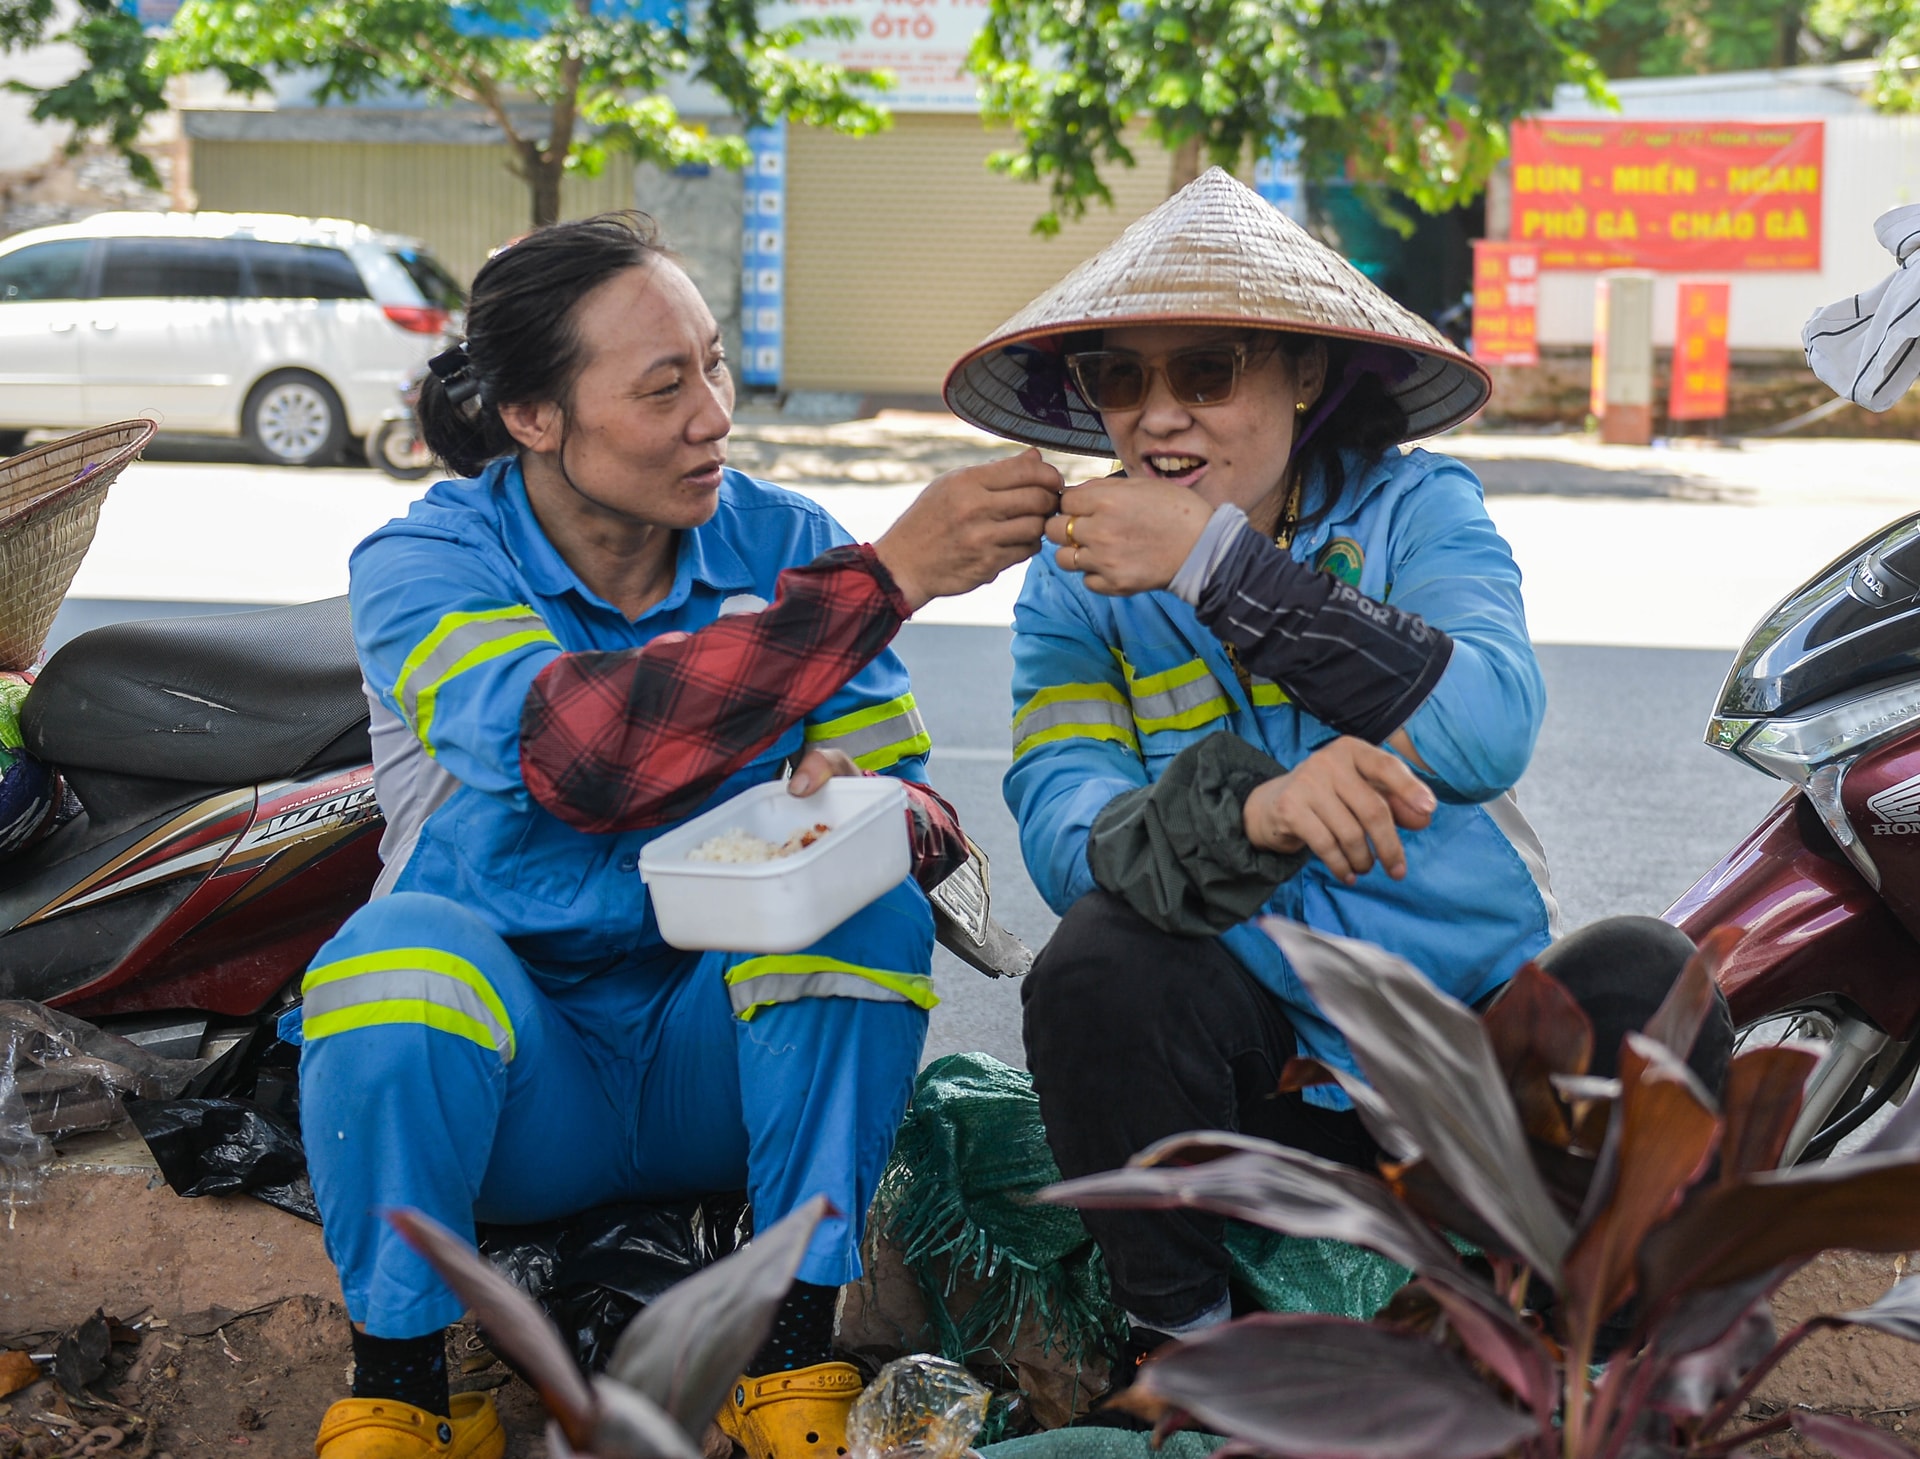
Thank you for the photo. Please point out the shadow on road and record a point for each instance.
(1544, 476)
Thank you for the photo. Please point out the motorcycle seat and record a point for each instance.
(219, 699)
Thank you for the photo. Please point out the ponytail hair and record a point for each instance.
(523, 340)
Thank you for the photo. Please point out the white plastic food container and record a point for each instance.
(789, 903)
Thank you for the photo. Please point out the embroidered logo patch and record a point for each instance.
(1342, 558)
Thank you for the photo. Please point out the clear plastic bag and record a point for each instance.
(920, 1407)
(61, 1076)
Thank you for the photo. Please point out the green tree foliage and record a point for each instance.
(1887, 28)
(1683, 37)
(1415, 95)
(111, 94)
(567, 81)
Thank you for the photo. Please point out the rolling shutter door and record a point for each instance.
(903, 250)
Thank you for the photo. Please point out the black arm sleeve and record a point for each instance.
(1177, 851)
(1359, 665)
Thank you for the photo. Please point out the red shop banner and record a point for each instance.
(1713, 197)
(1700, 352)
(1506, 297)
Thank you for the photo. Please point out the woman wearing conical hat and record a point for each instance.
(1276, 665)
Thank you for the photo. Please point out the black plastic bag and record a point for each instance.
(214, 1147)
(594, 1271)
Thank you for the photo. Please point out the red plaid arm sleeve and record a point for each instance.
(639, 737)
(939, 845)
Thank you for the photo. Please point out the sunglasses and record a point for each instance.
(1119, 379)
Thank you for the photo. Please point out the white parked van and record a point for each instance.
(294, 333)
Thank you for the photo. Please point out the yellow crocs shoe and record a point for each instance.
(800, 1414)
(379, 1428)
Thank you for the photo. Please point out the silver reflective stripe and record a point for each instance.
(409, 785)
(757, 992)
(1064, 712)
(1167, 703)
(1504, 811)
(872, 738)
(406, 984)
(428, 673)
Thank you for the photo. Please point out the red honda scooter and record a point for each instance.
(227, 823)
(1825, 695)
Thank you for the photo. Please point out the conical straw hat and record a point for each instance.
(1215, 252)
(50, 501)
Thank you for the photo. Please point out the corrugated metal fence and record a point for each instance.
(459, 200)
(903, 250)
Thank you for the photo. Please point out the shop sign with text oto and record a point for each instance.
(1677, 196)
(923, 43)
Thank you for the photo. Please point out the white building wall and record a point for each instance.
(1872, 164)
(25, 143)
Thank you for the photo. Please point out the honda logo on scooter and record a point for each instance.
(1898, 807)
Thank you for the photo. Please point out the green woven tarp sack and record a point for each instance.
(957, 1198)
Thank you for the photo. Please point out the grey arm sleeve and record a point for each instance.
(1177, 850)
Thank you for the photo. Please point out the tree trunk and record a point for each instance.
(543, 190)
(1186, 165)
(1787, 45)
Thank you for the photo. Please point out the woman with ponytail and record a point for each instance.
(597, 631)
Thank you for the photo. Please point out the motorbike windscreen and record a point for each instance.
(1855, 623)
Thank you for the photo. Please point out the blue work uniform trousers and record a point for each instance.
(440, 1072)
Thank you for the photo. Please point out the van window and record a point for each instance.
(170, 268)
(436, 285)
(301, 271)
(44, 271)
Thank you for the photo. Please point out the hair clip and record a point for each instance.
(454, 367)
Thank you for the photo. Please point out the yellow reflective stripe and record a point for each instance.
(1141, 685)
(458, 642)
(414, 959)
(1267, 694)
(877, 737)
(1092, 711)
(493, 650)
(762, 982)
(1181, 698)
(398, 1010)
(1060, 732)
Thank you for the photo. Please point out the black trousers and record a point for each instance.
(1134, 1034)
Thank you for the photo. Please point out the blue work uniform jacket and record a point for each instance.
(469, 566)
(1108, 690)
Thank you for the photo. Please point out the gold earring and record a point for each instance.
(1299, 407)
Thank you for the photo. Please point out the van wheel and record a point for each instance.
(294, 419)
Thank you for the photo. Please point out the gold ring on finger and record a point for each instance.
(1070, 542)
(1076, 557)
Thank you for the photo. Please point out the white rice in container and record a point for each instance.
(735, 845)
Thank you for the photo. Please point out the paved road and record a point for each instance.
(1631, 806)
(1644, 569)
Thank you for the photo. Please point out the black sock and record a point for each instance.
(802, 1332)
(406, 1369)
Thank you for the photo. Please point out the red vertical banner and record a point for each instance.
(1699, 389)
(1597, 393)
(1506, 297)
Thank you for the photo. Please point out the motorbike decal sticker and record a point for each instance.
(196, 837)
(298, 823)
(280, 824)
(1898, 807)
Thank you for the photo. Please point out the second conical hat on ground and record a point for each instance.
(1215, 252)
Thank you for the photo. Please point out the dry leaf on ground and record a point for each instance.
(17, 1370)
